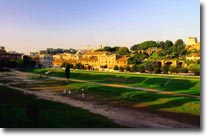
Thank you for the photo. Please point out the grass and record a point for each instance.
(14, 106)
(184, 109)
(179, 84)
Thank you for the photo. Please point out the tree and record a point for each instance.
(121, 69)
(157, 67)
(161, 44)
(127, 68)
(116, 67)
(168, 44)
(149, 66)
(79, 66)
(134, 68)
(67, 71)
(107, 48)
(123, 51)
(145, 45)
(63, 64)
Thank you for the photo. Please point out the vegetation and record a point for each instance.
(186, 84)
(26, 62)
(67, 71)
(116, 67)
(186, 109)
(26, 111)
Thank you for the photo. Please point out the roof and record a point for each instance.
(122, 58)
(94, 53)
(93, 58)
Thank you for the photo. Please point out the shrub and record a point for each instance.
(141, 68)
(165, 69)
(173, 70)
(116, 67)
(182, 70)
(127, 68)
(134, 68)
(195, 69)
(121, 69)
(79, 66)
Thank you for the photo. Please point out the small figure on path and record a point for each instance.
(67, 72)
(83, 95)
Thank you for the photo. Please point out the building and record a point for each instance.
(191, 41)
(65, 57)
(8, 56)
(122, 61)
(103, 60)
(193, 57)
(46, 60)
(108, 60)
(42, 52)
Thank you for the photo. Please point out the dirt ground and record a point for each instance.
(129, 117)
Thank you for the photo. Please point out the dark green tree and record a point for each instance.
(123, 51)
(116, 67)
(67, 72)
(134, 68)
(127, 68)
(121, 69)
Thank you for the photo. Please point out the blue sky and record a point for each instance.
(30, 25)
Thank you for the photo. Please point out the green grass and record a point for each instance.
(179, 84)
(13, 106)
(184, 109)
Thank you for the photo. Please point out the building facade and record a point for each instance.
(46, 60)
(8, 56)
(191, 41)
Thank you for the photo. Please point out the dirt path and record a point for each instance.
(121, 115)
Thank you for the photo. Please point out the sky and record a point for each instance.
(32, 25)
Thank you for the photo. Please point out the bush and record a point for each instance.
(134, 68)
(121, 69)
(156, 67)
(79, 66)
(165, 69)
(127, 68)
(195, 69)
(141, 68)
(182, 70)
(149, 66)
(156, 70)
(173, 70)
(116, 67)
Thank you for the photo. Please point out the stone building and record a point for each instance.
(191, 41)
(46, 60)
(8, 56)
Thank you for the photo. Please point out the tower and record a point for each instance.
(191, 41)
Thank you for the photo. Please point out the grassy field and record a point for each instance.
(185, 109)
(22, 111)
(179, 84)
